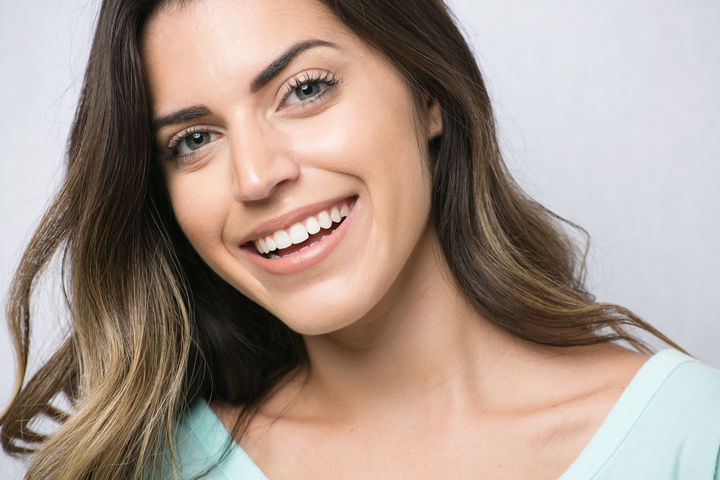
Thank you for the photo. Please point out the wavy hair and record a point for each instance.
(153, 327)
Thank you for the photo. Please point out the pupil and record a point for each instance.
(307, 89)
(197, 138)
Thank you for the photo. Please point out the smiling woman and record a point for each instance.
(324, 139)
(293, 251)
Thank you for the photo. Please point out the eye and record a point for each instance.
(304, 92)
(193, 141)
(187, 142)
(309, 87)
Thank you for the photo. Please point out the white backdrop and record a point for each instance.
(609, 114)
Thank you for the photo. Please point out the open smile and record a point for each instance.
(305, 233)
(304, 242)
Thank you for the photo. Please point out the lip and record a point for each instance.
(285, 220)
(310, 256)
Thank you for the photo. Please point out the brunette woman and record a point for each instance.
(292, 250)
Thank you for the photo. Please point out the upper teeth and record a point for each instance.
(300, 231)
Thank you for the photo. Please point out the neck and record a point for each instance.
(422, 343)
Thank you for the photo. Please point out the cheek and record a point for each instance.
(201, 209)
(371, 137)
(388, 156)
(375, 139)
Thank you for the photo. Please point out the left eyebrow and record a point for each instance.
(260, 80)
(281, 62)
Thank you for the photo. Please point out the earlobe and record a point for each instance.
(434, 119)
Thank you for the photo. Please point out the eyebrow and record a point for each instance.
(281, 62)
(184, 115)
(260, 80)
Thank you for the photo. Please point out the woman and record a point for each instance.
(293, 251)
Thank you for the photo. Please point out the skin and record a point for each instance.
(406, 379)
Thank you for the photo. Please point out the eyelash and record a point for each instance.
(328, 79)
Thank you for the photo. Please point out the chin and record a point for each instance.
(322, 318)
(319, 322)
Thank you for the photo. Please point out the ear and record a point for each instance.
(433, 119)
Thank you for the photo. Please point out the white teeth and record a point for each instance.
(335, 215)
(282, 239)
(260, 245)
(270, 244)
(301, 231)
(312, 225)
(324, 219)
(298, 233)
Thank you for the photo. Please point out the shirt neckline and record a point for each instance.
(215, 439)
(614, 429)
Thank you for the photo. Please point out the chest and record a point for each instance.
(532, 447)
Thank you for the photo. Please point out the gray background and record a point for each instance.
(608, 114)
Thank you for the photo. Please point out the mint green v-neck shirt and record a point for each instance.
(665, 425)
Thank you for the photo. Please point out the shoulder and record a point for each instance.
(691, 375)
(665, 425)
(682, 388)
(669, 381)
(685, 397)
(678, 418)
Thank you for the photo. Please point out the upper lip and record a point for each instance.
(286, 219)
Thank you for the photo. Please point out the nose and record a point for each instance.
(261, 162)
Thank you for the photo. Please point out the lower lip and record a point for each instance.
(304, 259)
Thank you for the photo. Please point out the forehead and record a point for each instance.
(261, 20)
(231, 38)
(208, 51)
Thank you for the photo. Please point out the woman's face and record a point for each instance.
(282, 130)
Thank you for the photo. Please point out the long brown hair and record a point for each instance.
(153, 327)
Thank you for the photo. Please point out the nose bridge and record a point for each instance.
(260, 160)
